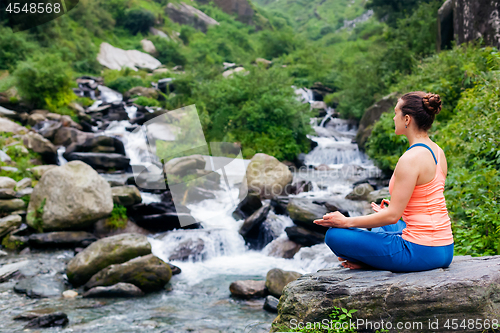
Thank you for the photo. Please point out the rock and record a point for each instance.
(266, 176)
(4, 157)
(461, 291)
(57, 117)
(23, 183)
(11, 205)
(6, 182)
(126, 195)
(265, 62)
(377, 196)
(360, 192)
(97, 144)
(161, 216)
(35, 118)
(9, 270)
(49, 320)
(101, 229)
(8, 224)
(3, 254)
(48, 129)
(142, 91)
(61, 239)
(39, 170)
(277, 279)
(12, 242)
(69, 294)
(242, 8)
(183, 166)
(271, 304)
(156, 32)
(120, 289)
(64, 136)
(149, 273)
(101, 161)
(248, 289)
(175, 270)
(185, 14)
(41, 286)
(249, 205)
(304, 211)
(115, 58)
(9, 126)
(148, 46)
(41, 145)
(7, 193)
(283, 248)
(371, 115)
(230, 72)
(74, 197)
(188, 249)
(251, 226)
(104, 252)
(303, 236)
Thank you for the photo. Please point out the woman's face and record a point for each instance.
(399, 120)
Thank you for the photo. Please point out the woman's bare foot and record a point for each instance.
(351, 265)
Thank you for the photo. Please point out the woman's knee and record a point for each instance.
(336, 237)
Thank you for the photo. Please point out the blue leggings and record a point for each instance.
(384, 248)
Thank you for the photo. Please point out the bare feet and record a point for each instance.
(351, 265)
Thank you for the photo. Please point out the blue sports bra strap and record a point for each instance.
(426, 146)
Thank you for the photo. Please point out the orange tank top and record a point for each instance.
(425, 215)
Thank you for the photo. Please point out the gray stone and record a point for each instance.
(67, 135)
(248, 289)
(23, 183)
(250, 227)
(183, 166)
(40, 286)
(360, 192)
(126, 195)
(4, 157)
(120, 289)
(185, 14)
(304, 236)
(39, 170)
(6, 182)
(378, 195)
(464, 290)
(38, 144)
(304, 211)
(188, 249)
(9, 126)
(25, 192)
(115, 58)
(148, 46)
(149, 273)
(49, 320)
(277, 279)
(8, 270)
(11, 205)
(104, 252)
(142, 91)
(35, 118)
(271, 304)
(75, 197)
(101, 229)
(7, 193)
(101, 161)
(283, 248)
(61, 239)
(9, 223)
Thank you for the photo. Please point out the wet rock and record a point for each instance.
(188, 249)
(101, 161)
(303, 236)
(271, 304)
(39, 170)
(461, 291)
(9, 223)
(115, 58)
(65, 136)
(283, 248)
(7, 193)
(69, 294)
(377, 196)
(50, 320)
(42, 286)
(175, 270)
(75, 197)
(61, 239)
(162, 216)
(103, 229)
(9, 270)
(104, 252)
(249, 205)
(185, 14)
(250, 228)
(120, 289)
(3, 254)
(6, 182)
(149, 273)
(97, 144)
(23, 183)
(277, 279)
(304, 211)
(48, 129)
(248, 289)
(14, 243)
(126, 195)
(11, 205)
(266, 176)
(360, 192)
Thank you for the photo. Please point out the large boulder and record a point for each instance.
(304, 211)
(149, 273)
(115, 58)
(277, 279)
(371, 115)
(104, 252)
(464, 290)
(266, 176)
(73, 196)
(185, 14)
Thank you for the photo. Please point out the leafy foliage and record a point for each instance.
(138, 20)
(339, 322)
(118, 218)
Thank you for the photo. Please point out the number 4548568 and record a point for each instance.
(471, 324)
(34, 8)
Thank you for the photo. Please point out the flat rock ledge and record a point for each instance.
(468, 289)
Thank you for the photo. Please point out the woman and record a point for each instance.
(424, 240)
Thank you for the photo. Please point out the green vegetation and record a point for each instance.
(118, 218)
(37, 216)
(339, 323)
(21, 157)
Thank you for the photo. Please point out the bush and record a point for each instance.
(277, 43)
(138, 20)
(145, 101)
(13, 48)
(125, 83)
(45, 81)
(169, 52)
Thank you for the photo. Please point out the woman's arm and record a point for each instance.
(405, 178)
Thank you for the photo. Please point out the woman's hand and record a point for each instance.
(378, 208)
(334, 220)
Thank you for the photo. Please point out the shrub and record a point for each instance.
(125, 83)
(169, 52)
(146, 101)
(138, 20)
(14, 47)
(45, 81)
(118, 218)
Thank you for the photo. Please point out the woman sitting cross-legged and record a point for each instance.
(424, 240)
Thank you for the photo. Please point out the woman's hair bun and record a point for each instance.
(432, 103)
